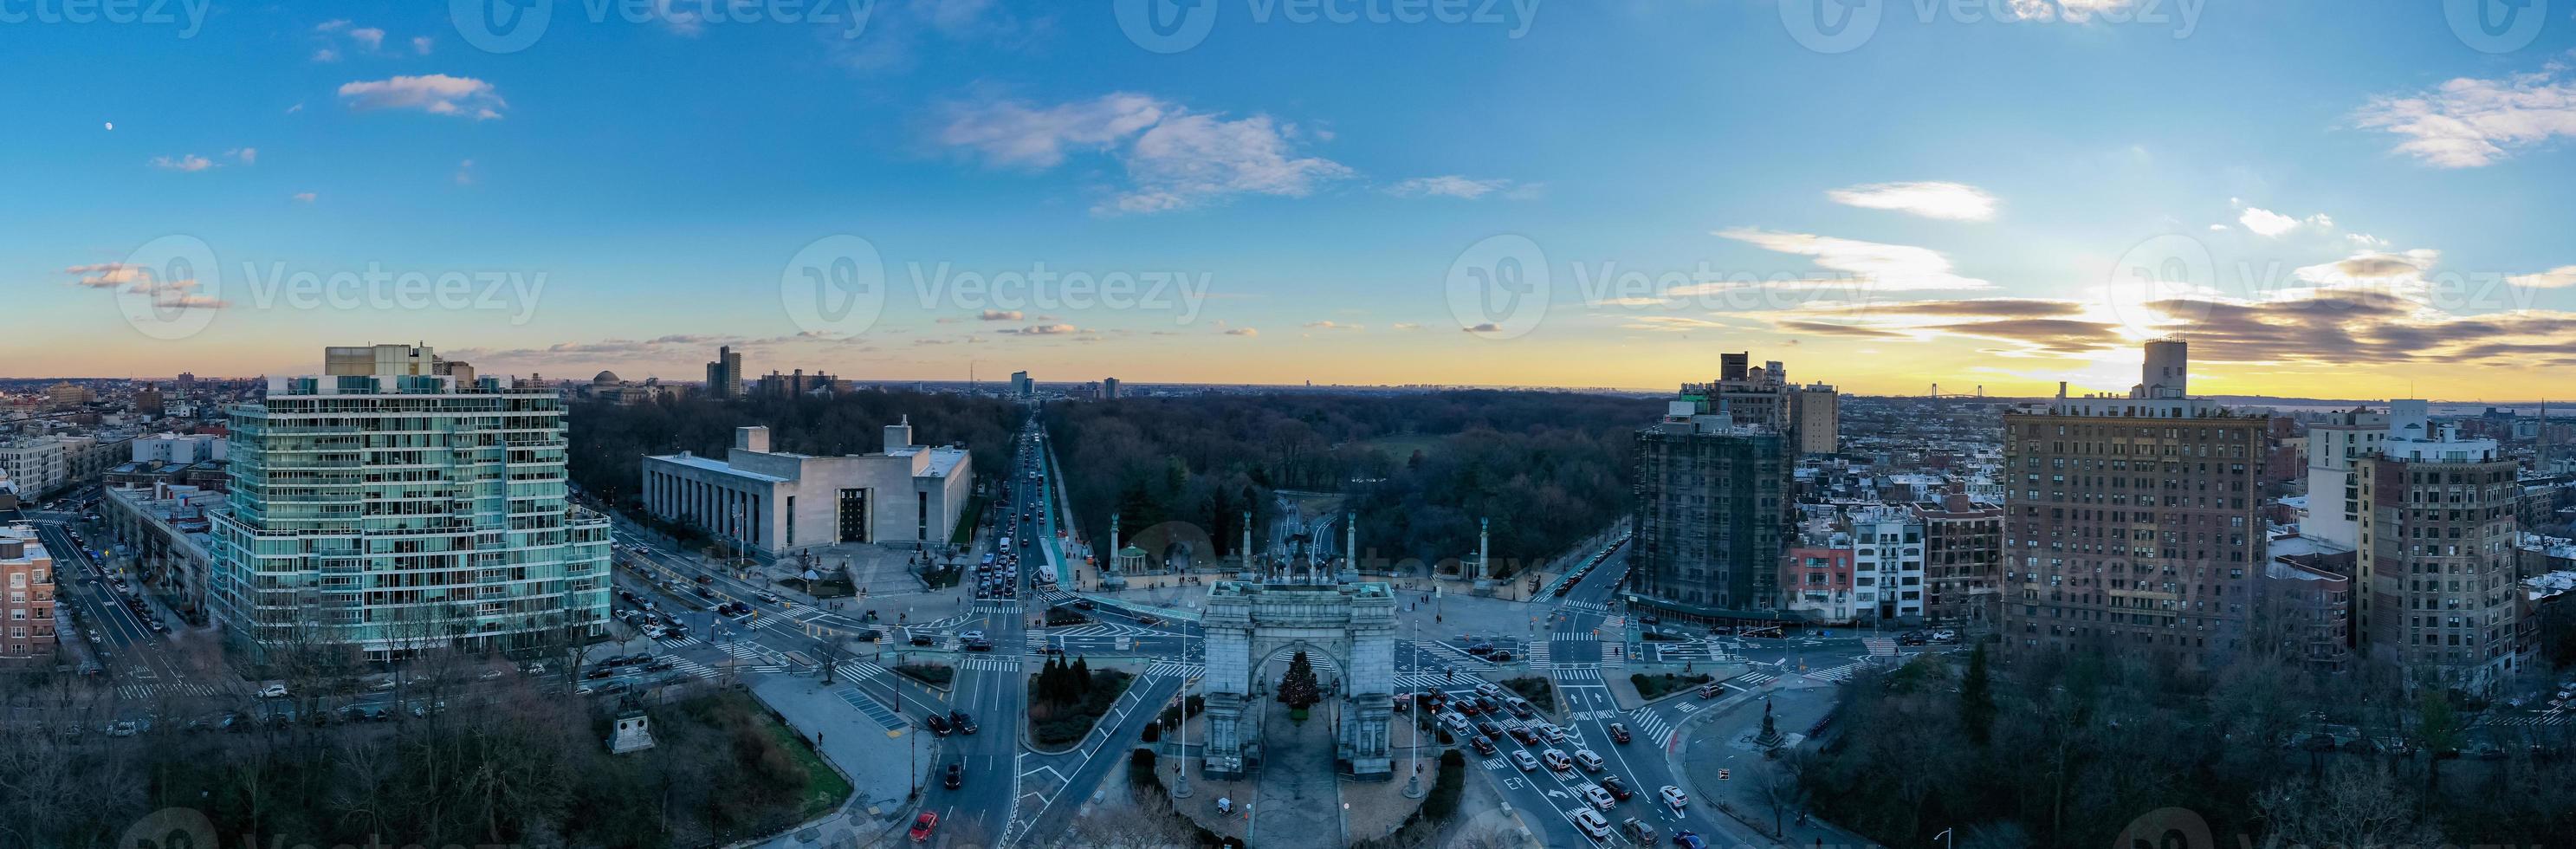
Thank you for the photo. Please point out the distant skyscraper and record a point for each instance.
(1817, 419)
(724, 375)
(395, 510)
(2133, 524)
(187, 383)
(1108, 388)
(1712, 516)
(1021, 385)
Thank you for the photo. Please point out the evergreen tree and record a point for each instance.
(1297, 689)
(1079, 677)
(1977, 698)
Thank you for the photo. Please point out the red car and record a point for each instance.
(922, 825)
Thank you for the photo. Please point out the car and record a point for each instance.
(979, 645)
(661, 665)
(964, 722)
(1673, 797)
(1553, 733)
(922, 826)
(1711, 690)
(924, 640)
(956, 777)
(1500, 656)
(1619, 733)
(1556, 760)
(1521, 758)
(1618, 790)
(1913, 638)
(1587, 760)
(273, 691)
(1689, 840)
(706, 593)
(1592, 823)
(1527, 735)
(1489, 729)
(939, 725)
(602, 671)
(122, 728)
(1598, 797)
(970, 636)
(1638, 831)
(1521, 707)
(770, 597)
(1945, 635)
(1484, 745)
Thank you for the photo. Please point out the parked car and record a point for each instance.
(273, 691)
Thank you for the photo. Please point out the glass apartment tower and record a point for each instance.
(396, 504)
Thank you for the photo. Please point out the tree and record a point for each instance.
(1297, 689)
(1977, 698)
(1079, 679)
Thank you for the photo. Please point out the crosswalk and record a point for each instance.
(1836, 674)
(1653, 729)
(858, 670)
(993, 663)
(1175, 669)
(1577, 673)
(1111, 629)
(1037, 640)
(2550, 718)
(147, 691)
(871, 707)
(1452, 655)
(1755, 679)
(681, 642)
(1538, 652)
(1593, 606)
(692, 668)
(1424, 682)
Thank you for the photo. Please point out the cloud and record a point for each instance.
(105, 274)
(2365, 240)
(421, 44)
(1893, 268)
(326, 55)
(1452, 186)
(1242, 331)
(464, 173)
(1334, 325)
(2070, 11)
(2266, 223)
(1000, 315)
(247, 155)
(1946, 201)
(678, 21)
(2471, 123)
(1486, 327)
(2556, 278)
(1174, 159)
(304, 197)
(1407, 325)
(437, 94)
(368, 37)
(188, 162)
(1043, 330)
(167, 293)
(1660, 324)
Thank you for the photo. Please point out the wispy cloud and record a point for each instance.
(183, 162)
(436, 94)
(2556, 278)
(1463, 188)
(1947, 201)
(1883, 267)
(1174, 158)
(2469, 123)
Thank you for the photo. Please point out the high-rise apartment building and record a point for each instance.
(27, 608)
(1021, 385)
(2439, 594)
(394, 510)
(1108, 389)
(1816, 417)
(2133, 524)
(1962, 557)
(724, 375)
(2335, 446)
(1887, 565)
(1714, 514)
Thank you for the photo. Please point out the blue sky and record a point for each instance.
(2367, 189)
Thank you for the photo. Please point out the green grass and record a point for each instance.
(1656, 686)
(824, 788)
(968, 521)
(1402, 447)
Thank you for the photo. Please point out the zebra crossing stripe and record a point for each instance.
(1655, 729)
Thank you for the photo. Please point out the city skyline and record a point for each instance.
(1249, 207)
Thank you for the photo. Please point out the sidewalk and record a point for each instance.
(876, 761)
(1720, 745)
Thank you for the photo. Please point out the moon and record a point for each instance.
(111, 125)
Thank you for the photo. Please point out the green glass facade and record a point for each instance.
(398, 513)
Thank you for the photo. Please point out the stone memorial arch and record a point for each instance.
(1250, 623)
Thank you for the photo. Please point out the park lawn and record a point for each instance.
(824, 786)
